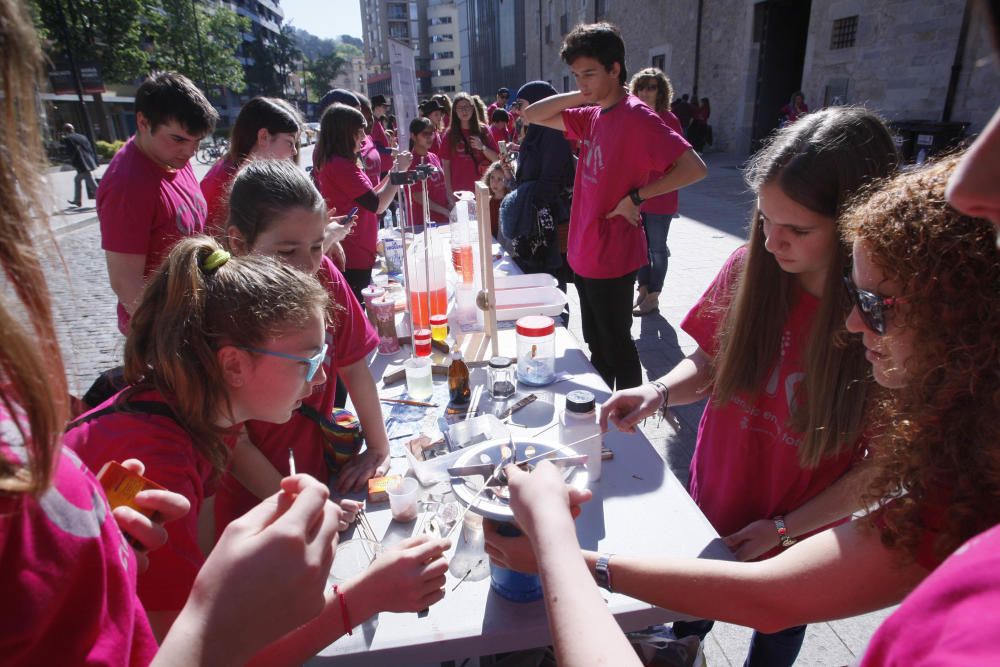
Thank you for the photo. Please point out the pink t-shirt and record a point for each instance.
(466, 165)
(664, 204)
(215, 189)
(436, 191)
(145, 209)
(436, 144)
(350, 339)
(340, 182)
(499, 134)
(371, 160)
(171, 461)
(620, 148)
(746, 465)
(952, 618)
(382, 144)
(68, 582)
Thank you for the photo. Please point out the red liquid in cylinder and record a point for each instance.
(418, 307)
(461, 259)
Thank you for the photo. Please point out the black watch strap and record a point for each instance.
(634, 196)
(602, 572)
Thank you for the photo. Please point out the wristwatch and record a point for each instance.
(784, 538)
(602, 571)
(634, 196)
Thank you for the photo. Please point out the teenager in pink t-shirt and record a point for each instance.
(467, 148)
(422, 136)
(266, 128)
(653, 87)
(344, 185)
(277, 211)
(500, 126)
(623, 143)
(383, 142)
(925, 294)
(149, 197)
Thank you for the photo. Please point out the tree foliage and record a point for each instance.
(199, 43)
(106, 31)
(323, 70)
(273, 60)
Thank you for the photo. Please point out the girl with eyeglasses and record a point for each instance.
(653, 87)
(779, 443)
(278, 212)
(467, 149)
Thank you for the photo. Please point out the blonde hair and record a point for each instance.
(188, 312)
(493, 168)
(31, 367)
(664, 91)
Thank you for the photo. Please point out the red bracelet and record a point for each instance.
(343, 609)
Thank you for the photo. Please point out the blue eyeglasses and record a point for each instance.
(313, 362)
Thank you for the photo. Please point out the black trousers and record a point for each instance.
(606, 317)
(357, 280)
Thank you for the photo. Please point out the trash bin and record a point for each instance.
(918, 140)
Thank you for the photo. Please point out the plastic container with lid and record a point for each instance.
(422, 343)
(500, 378)
(578, 423)
(536, 350)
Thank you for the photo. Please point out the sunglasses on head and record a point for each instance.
(312, 362)
(871, 307)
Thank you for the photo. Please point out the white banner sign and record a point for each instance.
(404, 89)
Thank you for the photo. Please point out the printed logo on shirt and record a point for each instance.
(190, 216)
(371, 164)
(593, 163)
(763, 421)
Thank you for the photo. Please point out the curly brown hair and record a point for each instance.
(938, 448)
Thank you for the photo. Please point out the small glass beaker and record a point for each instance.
(439, 327)
(501, 378)
(422, 342)
(419, 383)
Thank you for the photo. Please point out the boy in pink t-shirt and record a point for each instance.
(149, 197)
(623, 142)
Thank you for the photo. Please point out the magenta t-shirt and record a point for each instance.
(215, 188)
(67, 575)
(466, 165)
(620, 147)
(436, 191)
(436, 144)
(746, 460)
(171, 461)
(382, 144)
(340, 182)
(145, 209)
(664, 204)
(499, 134)
(350, 338)
(371, 161)
(952, 619)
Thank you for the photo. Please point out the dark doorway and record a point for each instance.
(781, 29)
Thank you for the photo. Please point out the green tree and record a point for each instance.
(199, 43)
(322, 70)
(106, 31)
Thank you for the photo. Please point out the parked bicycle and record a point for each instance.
(208, 153)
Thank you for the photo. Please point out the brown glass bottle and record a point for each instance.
(458, 380)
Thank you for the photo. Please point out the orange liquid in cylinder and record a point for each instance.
(418, 306)
(461, 259)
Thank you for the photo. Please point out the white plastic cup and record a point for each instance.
(403, 499)
(419, 383)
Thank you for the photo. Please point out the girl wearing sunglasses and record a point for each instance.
(935, 453)
(275, 210)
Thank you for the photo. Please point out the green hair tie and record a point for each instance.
(215, 260)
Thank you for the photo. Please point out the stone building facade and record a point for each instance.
(925, 60)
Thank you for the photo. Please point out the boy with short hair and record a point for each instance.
(149, 197)
(622, 142)
(499, 126)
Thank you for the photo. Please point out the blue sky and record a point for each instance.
(324, 18)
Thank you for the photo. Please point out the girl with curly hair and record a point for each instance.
(925, 284)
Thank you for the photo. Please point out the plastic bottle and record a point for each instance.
(579, 421)
(458, 380)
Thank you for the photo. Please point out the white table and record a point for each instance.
(638, 508)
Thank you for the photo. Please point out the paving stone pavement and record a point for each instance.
(712, 224)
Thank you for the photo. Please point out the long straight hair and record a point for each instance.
(455, 136)
(821, 161)
(187, 313)
(274, 115)
(337, 130)
(32, 376)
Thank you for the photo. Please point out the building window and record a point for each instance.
(601, 8)
(442, 55)
(399, 30)
(449, 71)
(565, 84)
(441, 20)
(442, 38)
(548, 34)
(844, 32)
(564, 24)
(396, 11)
(660, 61)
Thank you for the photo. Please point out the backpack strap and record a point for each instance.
(134, 407)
